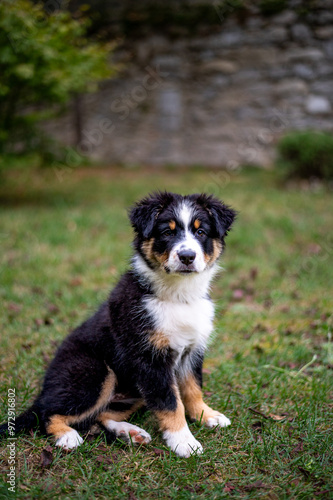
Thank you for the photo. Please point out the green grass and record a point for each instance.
(64, 243)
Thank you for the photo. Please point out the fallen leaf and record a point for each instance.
(131, 496)
(102, 447)
(103, 459)
(284, 309)
(261, 328)
(27, 346)
(288, 331)
(193, 489)
(14, 308)
(158, 452)
(259, 437)
(38, 322)
(238, 294)
(253, 273)
(228, 488)
(277, 418)
(46, 358)
(313, 248)
(49, 487)
(256, 485)
(76, 281)
(298, 448)
(53, 309)
(46, 457)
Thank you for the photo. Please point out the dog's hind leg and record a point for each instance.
(113, 421)
(58, 424)
(66, 437)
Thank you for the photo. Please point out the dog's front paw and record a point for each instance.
(218, 419)
(182, 442)
(69, 440)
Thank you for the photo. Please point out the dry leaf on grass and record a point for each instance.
(46, 457)
(158, 452)
(277, 418)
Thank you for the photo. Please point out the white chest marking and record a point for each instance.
(185, 325)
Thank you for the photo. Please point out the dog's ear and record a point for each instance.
(143, 214)
(221, 215)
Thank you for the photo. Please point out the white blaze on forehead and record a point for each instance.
(186, 214)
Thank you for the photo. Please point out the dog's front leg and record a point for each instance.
(175, 429)
(191, 394)
(163, 398)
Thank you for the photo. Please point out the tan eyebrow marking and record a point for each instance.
(172, 225)
(197, 223)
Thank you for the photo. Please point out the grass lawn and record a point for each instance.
(65, 240)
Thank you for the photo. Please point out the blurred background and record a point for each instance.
(192, 82)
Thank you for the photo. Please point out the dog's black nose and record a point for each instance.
(186, 257)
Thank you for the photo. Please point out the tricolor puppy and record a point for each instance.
(145, 345)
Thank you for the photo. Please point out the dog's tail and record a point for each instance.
(28, 420)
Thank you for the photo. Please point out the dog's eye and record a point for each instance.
(200, 233)
(168, 233)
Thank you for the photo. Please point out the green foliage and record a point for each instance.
(44, 60)
(307, 154)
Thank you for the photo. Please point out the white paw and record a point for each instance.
(182, 442)
(69, 440)
(219, 420)
(128, 432)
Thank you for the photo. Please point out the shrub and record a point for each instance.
(44, 60)
(307, 154)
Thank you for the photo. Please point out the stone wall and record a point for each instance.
(217, 99)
